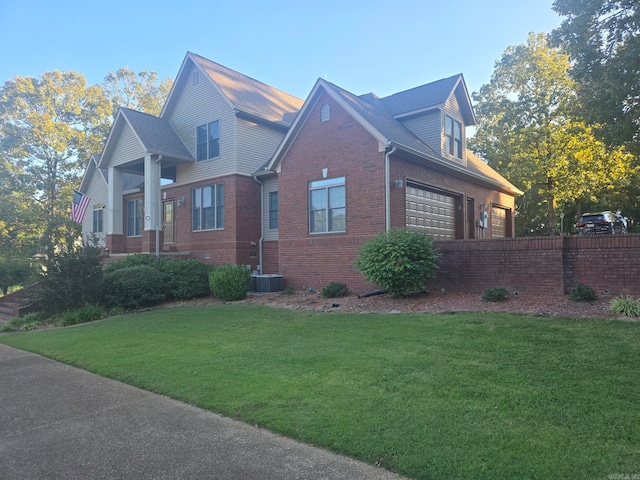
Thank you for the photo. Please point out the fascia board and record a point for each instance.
(107, 144)
(190, 57)
(454, 167)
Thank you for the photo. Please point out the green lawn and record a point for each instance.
(429, 396)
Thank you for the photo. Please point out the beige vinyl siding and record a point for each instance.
(197, 105)
(127, 147)
(452, 109)
(427, 128)
(256, 145)
(270, 185)
(97, 192)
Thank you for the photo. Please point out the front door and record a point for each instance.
(167, 222)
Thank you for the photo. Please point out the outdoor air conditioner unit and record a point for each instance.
(266, 283)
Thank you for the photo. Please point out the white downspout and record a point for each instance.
(387, 189)
(261, 224)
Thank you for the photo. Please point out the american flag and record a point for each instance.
(79, 206)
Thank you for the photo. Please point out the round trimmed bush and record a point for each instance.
(583, 293)
(185, 278)
(499, 294)
(134, 287)
(230, 282)
(334, 290)
(399, 261)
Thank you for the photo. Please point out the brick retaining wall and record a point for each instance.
(541, 265)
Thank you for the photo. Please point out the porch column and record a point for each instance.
(152, 202)
(115, 237)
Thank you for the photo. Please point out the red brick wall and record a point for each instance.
(270, 257)
(236, 243)
(541, 265)
(345, 149)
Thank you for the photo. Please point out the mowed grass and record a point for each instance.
(428, 396)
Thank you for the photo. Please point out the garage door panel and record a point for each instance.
(432, 211)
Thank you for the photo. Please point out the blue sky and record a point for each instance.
(362, 46)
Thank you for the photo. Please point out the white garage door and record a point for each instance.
(431, 211)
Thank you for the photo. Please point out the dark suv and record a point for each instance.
(601, 222)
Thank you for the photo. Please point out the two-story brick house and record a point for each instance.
(235, 171)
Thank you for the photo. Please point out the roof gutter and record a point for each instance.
(454, 167)
(387, 188)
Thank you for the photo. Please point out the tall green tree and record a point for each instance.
(49, 127)
(602, 38)
(139, 91)
(529, 130)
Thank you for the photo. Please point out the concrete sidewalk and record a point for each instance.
(60, 422)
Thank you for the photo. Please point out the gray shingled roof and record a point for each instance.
(375, 112)
(249, 95)
(422, 97)
(155, 133)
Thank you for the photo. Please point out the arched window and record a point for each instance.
(325, 113)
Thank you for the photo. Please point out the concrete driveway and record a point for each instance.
(60, 422)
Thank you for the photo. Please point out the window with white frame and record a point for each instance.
(453, 135)
(208, 141)
(327, 206)
(273, 210)
(134, 217)
(208, 207)
(98, 216)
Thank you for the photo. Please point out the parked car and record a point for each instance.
(601, 222)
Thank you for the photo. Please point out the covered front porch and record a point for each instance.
(141, 154)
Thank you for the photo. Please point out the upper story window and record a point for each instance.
(327, 206)
(273, 210)
(453, 135)
(208, 141)
(98, 215)
(208, 207)
(134, 217)
(325, 113)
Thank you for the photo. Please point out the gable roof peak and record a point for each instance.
(247, 94)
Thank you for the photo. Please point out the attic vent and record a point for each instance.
(325, 113)
(194, 77)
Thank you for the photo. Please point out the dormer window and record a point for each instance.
(453, 136)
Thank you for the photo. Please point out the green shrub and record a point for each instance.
(129, 261)
(499, 294)
(23, 324)
(230, 282)
(134, 287)
(626, 306)
(87, 313)
(583, 293)
(184, 278)
(334, 290)
(399, 261)
(69, 281)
